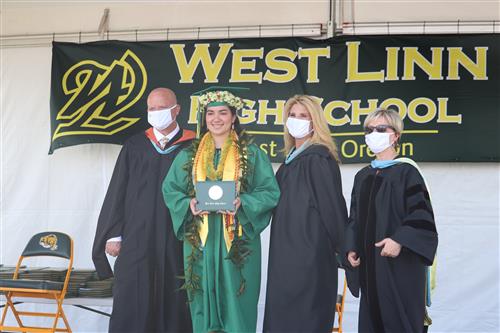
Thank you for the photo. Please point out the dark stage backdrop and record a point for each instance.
(446, 87)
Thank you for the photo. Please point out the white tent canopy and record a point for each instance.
(64, 191)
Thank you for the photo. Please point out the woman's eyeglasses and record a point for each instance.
(378, 128)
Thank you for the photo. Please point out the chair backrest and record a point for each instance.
(49, 243)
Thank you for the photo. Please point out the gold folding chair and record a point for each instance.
(54, 244)
(339, 305)
(339, 308)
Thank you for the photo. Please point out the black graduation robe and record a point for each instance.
(306, 233)
(145, 293)
(391, 202)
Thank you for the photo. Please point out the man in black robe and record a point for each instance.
(392, 233)
(135, 226)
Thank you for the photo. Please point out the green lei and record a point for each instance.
(239, 251)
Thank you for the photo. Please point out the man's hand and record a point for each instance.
(353, 259)
(192, 205)
(113, 248)
(390, 248)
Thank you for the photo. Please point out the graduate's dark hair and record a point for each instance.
(237, 125)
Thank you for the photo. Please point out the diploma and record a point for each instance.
(215, 195)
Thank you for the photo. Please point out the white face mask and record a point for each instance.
(161, 119)
(298, 128)
(378, 142)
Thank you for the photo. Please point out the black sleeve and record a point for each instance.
(418, 230)
(111, 218)
(326, 187)
(351, 243)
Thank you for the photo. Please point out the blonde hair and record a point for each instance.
(393, 119)
(321, 134)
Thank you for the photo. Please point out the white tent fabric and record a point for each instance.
(64, 192)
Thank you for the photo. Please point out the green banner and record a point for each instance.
(446, 87)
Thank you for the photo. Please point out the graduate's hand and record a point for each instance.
(236, 203)
(353, 259)
(113, 248)
(192, 205)
(390, 248)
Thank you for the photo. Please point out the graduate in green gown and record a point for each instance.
(222, 252)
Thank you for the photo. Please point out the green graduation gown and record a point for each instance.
(218, 307)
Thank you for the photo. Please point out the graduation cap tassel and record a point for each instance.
(198, 121)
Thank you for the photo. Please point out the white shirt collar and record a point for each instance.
(169, 136)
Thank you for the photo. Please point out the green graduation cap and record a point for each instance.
(233, 90)
(216, 96)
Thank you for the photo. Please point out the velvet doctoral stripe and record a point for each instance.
(368, 220)
(391, 203)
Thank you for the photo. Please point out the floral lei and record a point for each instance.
(213, 174)
(239, 251)
(221, 96)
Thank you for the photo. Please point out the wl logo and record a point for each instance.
(100, 95)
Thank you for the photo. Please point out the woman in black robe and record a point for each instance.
(307, 227)
(391, 236)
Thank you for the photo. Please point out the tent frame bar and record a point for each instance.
(313, 30)
(167, 34)
(420, 27)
